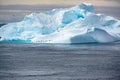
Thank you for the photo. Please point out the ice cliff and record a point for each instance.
(78, 24)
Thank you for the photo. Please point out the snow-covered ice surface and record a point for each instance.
(78, 24)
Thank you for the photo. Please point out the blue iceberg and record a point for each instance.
(78, 24)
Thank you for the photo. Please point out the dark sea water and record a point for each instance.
(59, 62)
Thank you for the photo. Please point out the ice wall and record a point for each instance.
(78, 24)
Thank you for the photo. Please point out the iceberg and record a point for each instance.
(78, 24)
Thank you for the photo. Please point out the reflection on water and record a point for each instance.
(59, 61)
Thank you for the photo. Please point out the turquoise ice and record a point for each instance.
(78, 24)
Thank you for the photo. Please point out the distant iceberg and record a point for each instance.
(78, 24)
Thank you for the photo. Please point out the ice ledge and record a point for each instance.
(78, 24)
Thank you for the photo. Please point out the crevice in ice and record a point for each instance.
(78, 24)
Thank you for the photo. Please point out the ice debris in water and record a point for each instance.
(78, 24)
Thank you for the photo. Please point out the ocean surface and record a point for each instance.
(59, 61)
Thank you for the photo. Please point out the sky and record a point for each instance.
(15, 10)
(113, 3)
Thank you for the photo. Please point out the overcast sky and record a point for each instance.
(113, 3)
(15, 10)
